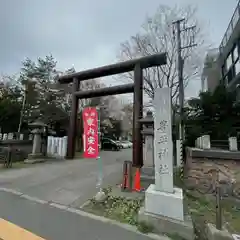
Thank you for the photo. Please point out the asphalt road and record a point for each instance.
(69, 183)
(51, 223)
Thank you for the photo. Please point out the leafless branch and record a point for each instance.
(155, 36)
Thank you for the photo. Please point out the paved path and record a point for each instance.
(68, 182)
(52, 223)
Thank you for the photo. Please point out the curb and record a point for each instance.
(84, 214)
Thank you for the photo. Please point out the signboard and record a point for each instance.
(90, 125)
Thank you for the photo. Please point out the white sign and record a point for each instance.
(163, 146)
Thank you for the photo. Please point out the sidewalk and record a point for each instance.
(52, 223)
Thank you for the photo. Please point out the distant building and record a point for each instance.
(211, 74)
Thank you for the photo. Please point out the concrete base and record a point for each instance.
(214, 234)
(33, 161)
(35, 156)
(163, 225)
(169, 205)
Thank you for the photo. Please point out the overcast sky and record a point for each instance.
(86, 33)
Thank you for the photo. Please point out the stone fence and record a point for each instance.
(204, 142)
(22, 144)
(202, 165)
(15, 136)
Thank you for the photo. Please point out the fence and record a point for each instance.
(204, 142)
(15, 136)
(57, 147)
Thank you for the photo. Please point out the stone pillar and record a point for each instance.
(206, 143)
(233, 146)
(21, 136)
(10, 136)
(161, 198)
(5, 136)
(36, 142)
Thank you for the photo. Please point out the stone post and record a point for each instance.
(21, 136)
(5, 136)
(10, 136)
(206, 143)
(233, 146)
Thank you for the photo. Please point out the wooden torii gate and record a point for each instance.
(136, 65)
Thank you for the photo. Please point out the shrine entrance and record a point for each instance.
(135, 65)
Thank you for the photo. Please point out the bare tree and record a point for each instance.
(157, 35)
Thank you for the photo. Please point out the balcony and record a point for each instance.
(234, 20)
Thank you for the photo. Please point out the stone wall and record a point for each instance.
(201, 171)
(21, 148)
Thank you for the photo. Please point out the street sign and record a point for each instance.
(90, 125)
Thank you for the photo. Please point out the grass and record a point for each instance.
(116, 207)
(121, 209)
(201, 208)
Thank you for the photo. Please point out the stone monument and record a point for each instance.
(163, 201)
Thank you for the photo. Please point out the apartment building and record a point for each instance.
(222, 65)
(229, 52)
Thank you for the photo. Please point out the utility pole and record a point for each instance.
(190, 43)
(22, 110)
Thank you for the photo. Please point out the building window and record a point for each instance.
(223, 70)
(235, 53)
(228, 32)
(225, 80)
(229, 61)
(230, 75)
(237, 67)
(235, 17)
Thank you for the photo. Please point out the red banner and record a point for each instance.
(90, 125)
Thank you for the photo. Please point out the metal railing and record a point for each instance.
(231, 26)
